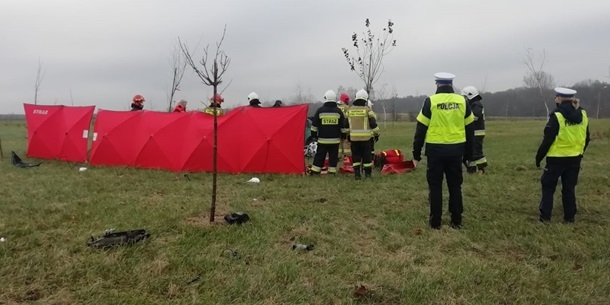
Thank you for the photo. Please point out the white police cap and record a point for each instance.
(444, 77)
(565, 92)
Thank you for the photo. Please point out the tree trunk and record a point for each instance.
(215, 149)
(599, 98)
(385, 117)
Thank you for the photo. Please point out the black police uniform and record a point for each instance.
(568, 168)
(479, 162)
(329, 126)
(444, 159)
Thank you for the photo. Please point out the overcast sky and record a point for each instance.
(104, 52)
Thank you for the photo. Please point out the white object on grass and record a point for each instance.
(82, 169)
(254, 180)
(2, 239)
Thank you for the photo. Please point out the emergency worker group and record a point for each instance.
(451, 126)
(214, 108)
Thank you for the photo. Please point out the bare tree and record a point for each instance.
(394, 108)
(39, 76)
(382, 95)
(537, 77)
(213, 69)
(71, 98)
(178, 65)
(299, 93)
(370, 54)
(484, 83)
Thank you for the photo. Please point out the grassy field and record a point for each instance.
(370, 233)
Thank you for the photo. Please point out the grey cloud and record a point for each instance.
(108, 51)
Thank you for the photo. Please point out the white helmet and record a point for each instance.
(330, 96)
(362, 95)
(252, 96)
(470, 92)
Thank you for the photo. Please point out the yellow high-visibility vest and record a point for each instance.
(358, 118)
(446, 124)
(570, 141)
(210, 111)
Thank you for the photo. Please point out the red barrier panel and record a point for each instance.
(250, 140)
(58, 131)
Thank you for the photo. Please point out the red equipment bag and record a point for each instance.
(398, 168)
(392, 156)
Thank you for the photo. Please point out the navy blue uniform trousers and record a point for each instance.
(569, 178)
(451, 168)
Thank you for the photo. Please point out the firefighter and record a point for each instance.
(362, 126)
(137, 103)
(253, 100)
(566, 137)
(278, 103)
(218, 100)
(343, 104)
(374, 139)
(181, 106)
(328, 127)
(478, 162)
(445, 125)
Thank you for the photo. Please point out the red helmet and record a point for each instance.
(138, 99)
(344, 98)
(217, 98)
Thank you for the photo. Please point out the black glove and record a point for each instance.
(538, 163)
(417, 156)
(376, 137)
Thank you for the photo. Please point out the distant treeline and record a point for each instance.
(517, 102)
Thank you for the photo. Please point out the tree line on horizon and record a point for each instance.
(525, 102)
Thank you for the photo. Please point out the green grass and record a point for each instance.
(365, 232)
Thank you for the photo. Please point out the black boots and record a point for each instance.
(456, 222)
(435, 223)
(368, 172)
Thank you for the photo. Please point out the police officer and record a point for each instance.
(478, 162)
(566, 137)
(362, 126)
(343, 104)
(253, 100)
(445, 125)
(329, 127)
(216, 99)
